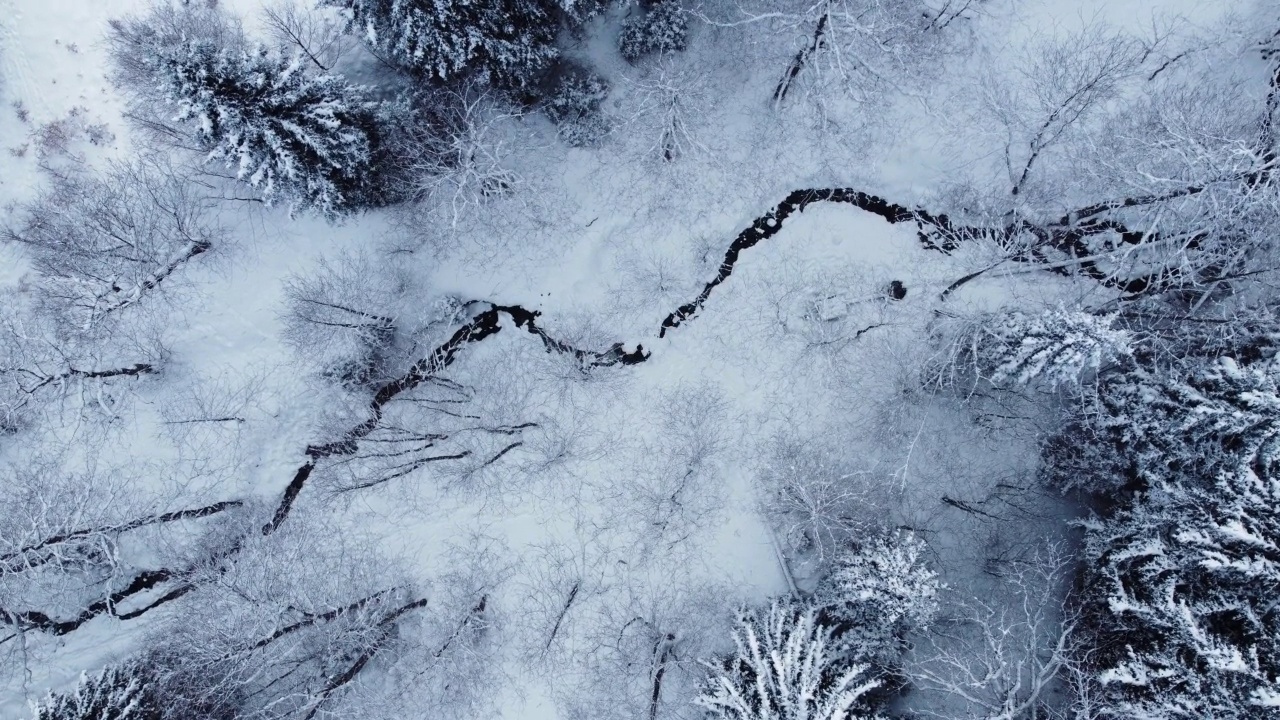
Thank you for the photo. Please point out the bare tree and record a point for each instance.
(1004, 656)
(342, 317)
(637, 654)
(451, 149)
(1064, 82)
(211, 420)
(671, 494)
(84, 326)
(102, 243)
(286, 625)
(44, 358)
(319, 36)
(665, 102)
(863, 47)
(562, 582)
(818, 501)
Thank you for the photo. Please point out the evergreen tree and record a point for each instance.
(115, 693)
(509, 42)
(574, 105)
(875, 593)
(785, 668)
(1182, 578)
(289, 134)
(660, 28)
(1054, 347)
(1145, 431)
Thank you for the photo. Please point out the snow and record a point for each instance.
(50, 64)
(801, 341)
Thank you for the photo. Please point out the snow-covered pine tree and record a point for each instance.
(1182, 580)
(1143, 429)
(509, 42)
(875, 593)
(1054, 347)
(785, 667)
(574, 105)
(117, 692)
(577, 12)
(659, 27)
(306, 138)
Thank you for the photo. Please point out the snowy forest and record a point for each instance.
(639, 359)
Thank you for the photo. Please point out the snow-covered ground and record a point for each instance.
(640, 483)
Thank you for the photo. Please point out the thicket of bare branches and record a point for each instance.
(342, 318)
(666, 102)
(101, 242)
(819, 501)
(1006, 652)
(319, 36)
(448, 150)
(861, 47)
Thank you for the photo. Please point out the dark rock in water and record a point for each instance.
(897, 290)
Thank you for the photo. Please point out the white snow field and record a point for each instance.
(580, 500)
